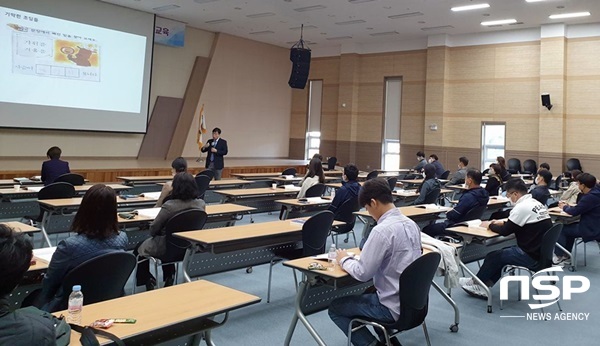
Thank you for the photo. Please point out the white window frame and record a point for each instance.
(485, 160)
(313, 131)
(390, 157)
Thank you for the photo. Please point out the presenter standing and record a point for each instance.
(216, 148)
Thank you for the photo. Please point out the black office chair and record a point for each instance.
(547, 250)
(530, 167)
(316, 190)
(186, 220)
(331, 163)
(208, 173)
(71, 178)
(573, 163)
(289, 171)
(432, 196)
(372, 175)
(345, 213)
(514, 166)
(445, 175)
(202, 182)
(392, 181)
(101, 278)
(314, 237)
(415, 282)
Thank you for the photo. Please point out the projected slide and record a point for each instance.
(54, 62)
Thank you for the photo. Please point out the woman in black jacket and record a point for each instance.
(494, 179)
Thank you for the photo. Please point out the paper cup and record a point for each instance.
(17, 187)
(274, 186)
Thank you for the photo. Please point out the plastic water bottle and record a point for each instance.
(331, 257)
(75, 305)
(332, 194)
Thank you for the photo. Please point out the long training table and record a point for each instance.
(263, 199)
(296, 206)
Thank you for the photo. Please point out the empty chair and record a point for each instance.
(445, 175)
(71, 178)
(530, 166)
(208, 173)
(289, 171)
(415, 282)
(392, 181)
(203, 182)
(345, 213)
(514, 166)
(573, 163)
(314, 237)
(372, 174)
(331, 163)
(101, 278)
(316, 190)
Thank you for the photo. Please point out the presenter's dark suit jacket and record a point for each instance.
(221, 151)
(52, 169)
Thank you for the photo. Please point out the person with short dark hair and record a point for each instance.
(178, 165)
(528, 220)
(422, 162)
(315, 175)
(541, 192)
(54, 167)
(97, 233)
(22, 326)
(393, 244)
(183, 197)
(216, 148)
(461, 174)
(350, 188)
(439, 168)
(494, 180)
(475, 196)
(545, 166)
(429, 185)
(588, 209)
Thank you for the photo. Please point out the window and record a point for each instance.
(492, 143)
(313, 132)
(391, 131)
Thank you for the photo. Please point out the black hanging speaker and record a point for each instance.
(546, 101)
(300, 58)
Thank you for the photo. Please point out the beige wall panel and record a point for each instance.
(462, 132)
(582, 96)
(552, 61)
(582, 56)
(434, 99)
(469, 97)
(516, 97)
(300, 100)
(329, 103)
(413, 98)
(374, 68)
(328, 126)
(581, 137)
(476, 62)
(412, 66)
(412, 128)
(344, 126)
(521, 132)
(436, 67)
(433, 138)
(369, 128)
(518, 61)
(328, 69)
(370, 98)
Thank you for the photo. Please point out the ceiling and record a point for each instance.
(336, 22)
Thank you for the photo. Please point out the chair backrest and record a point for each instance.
(392, 181)
(474, 213)
(186, 220)
(415, 282)
(314, 233)
(432, 196)
(345, 213)
(289, 171)
(514, 166)
(57, 190)
(71, 178)
(208, 173)
(530, 166)
(331, 163)
(548, 244)
(101, 278)
(316, 190)
(445, 175)
(203, 182)
(372, 175)
(573, 163)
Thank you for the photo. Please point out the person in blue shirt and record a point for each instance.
(588, 208)
(350, 187)
(422, 162)
(54, 167)
(439, 168)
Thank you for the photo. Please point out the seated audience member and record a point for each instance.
(588, 208)
(545, 166)
(439, 169)
(177, 166)
(528, 220)
(350, 188)
(55, 167)
(22, 326)
(183, 197)
(494, 180)
(572, 193)
(422, 162)
(503, 172)
(97, 233)
(314, 176)
(461, 174)
(475, 196)
(541, 192)
(393, 244)
(429, 185)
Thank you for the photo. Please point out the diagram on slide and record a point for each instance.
(47, 53)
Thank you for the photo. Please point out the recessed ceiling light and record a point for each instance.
(165, 8)
(535, 0)
(310, 8)
(359, 1)
(386, 33)
(348, 22)
(218, 21)
(437, 27)
(570, 15)
(264, 32)
(499, 22)
(469, 7)
(338, 38)
(405, 15)
(260, 15)
(203, 1)
(305, 27)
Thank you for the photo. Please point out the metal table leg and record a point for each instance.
(186, 262)
(453, 327)
(45, 221)
(302, 292)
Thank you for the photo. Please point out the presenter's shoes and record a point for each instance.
(473, 289)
